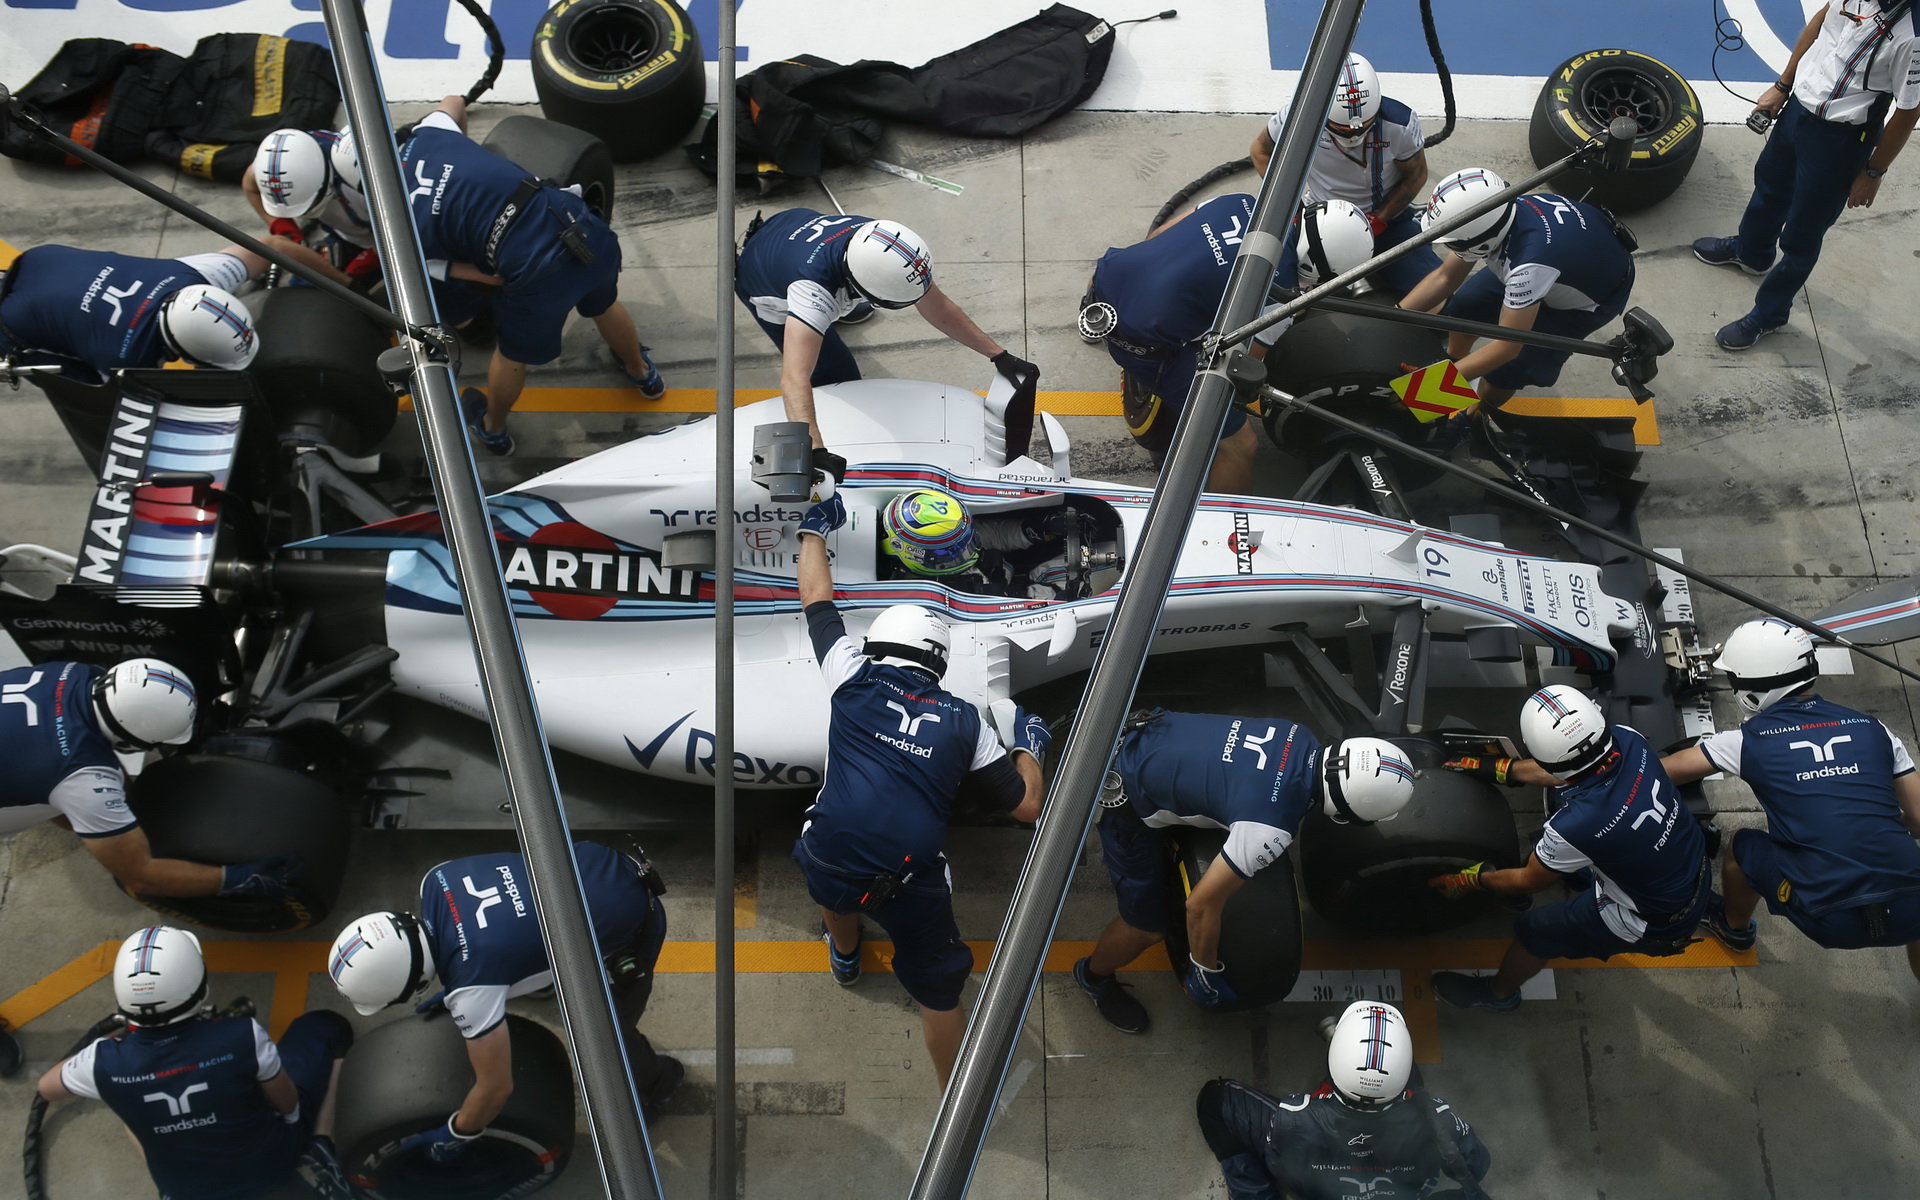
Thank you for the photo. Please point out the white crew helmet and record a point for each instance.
(1356, 102)
(907, 635)
(1766, 661)
(143, 702)
(889, 264)
(1366, 780)
(1370, 1054)
(159, 976)
(381, 960)
(1565, 732)
(345, 157)
(293, 174)
(208, 326)
(1455, 194)
(1334, 238)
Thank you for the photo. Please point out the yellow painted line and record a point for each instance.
(1646, 426)
(7, 254)
(37, 999)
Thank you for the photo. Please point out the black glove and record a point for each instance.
(264, 877)
(1016, 371)
(827, 462)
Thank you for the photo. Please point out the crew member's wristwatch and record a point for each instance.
(1875, 172)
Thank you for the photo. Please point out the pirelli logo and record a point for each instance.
(1686, 125)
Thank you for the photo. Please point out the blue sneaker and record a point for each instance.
(845, 967)
(1725, 252)
(651, 386)
(1736, 938)
(1471, 991)
(473, 410)
(862, 309)
(1742, 334)
(319, 1168)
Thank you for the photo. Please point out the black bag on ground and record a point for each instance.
(100, 92)
(233, 90)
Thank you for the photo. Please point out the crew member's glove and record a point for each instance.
(443, 1143)
(263, 877)
(1493, 770)
(1016, 371)
(364, 265)
(286, 227)
(1377, 222)
(1030, 732)
(1458, 886)
(1208, 986)
(825, 517)
(827, 462)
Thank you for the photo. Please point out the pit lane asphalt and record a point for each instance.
(1788, 469)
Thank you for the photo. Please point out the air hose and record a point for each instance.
(30, 1150)
(496, 51)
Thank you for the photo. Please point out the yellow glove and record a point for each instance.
(1495, 770)
(1455, 887)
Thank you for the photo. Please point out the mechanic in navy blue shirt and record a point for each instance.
(1838, 856)
(1256, 778)
(479, 934)
(1554, 265)
(63, 729)
(1621, 818)
(901, 752)
(220, 1111)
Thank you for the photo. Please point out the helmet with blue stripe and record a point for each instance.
(159, 976)
(1565, 732)
(143, 702)
(1370, 1054)
(1356, 102)
(889, 264)
(209, 327)
(930, 531)
(1457, 193)
(293, 172)
(1365, 780)
(381, 960)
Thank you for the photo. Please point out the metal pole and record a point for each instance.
(966, 1110)
(1482, 329)
(725, 1152)
(586, 1005)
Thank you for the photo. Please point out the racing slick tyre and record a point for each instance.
(1372, 879)
(549, 150)
(630, 71)
(408, 1076)
(1259, 930)
(316, 370)
(222, 810)
(1587, 92)
(1347, 364)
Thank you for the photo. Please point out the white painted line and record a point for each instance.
(772, 1056)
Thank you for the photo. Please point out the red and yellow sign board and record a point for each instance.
(1434, 391)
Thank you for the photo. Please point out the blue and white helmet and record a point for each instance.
(1459, 192)
(381, 960)
(1767, 661)
(293, 173)
(159, 976)
(1364, 781)
(143, 702)
(1370, 1054)
(209, 327)
(889, 264)
(1356, 102)
(1565, 732)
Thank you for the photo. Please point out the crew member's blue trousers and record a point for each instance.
(1800, 186)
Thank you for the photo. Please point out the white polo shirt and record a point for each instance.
(1363, 176)
(1851, 64)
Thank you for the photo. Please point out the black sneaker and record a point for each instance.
(1471, 991)
(666, 1082)
(1714, 921)
(845, 967)
(861, 311)
(1113, 1000)
(319, 1168)
(650, 384)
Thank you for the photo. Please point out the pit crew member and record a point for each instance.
(293, 180)
(1553, 264)
(901, 754)
(928, 533)
(479, 935)
(220, 1111)
(1254, 777)
(1370, 1130)
(1833, 142)
(1621, 818)
(1837, 857)
(64, 726)
(1371, 153)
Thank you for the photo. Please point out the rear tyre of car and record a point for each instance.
(316, 369)
(549, 150)
(1346, 364)
(1260, 938)
(408, 1076)
(629, 71)
(1588, 91)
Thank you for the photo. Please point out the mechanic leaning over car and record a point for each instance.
(1371, 153)
(1838, 856)
(1371, 1123)
(1151, 302)
(220, 1111)
(481, 219)
(800, 272)
(1833, 142)
(1254, 777)
(901, 753)
(63, 728)
(479, 934)
(1553, 265)
(1619, 818)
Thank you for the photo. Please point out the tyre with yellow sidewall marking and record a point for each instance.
(1588, 91)
(631, 72)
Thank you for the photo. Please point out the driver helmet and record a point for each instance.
(381, 960)
(888, 264)
(930, 531)
(159, 977)
(1370, 1054)
(1356, 103)
(1365, 780)
(142, 703)
(1565, 732)
(1767, 661)
(1334, 238)
(293, 174)
(1458, 192)
(907, 635)
(209, 327)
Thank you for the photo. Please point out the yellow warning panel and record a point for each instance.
(1434, 391)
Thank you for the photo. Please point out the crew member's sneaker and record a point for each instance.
(319, 1168)
(1724, 252)
(473, 410)
(651, 386)
(671, 1074)
(1714, 921)
(1113, 999)
(1471, 991)
(845, 967)
(861, 311)
(1742, 334)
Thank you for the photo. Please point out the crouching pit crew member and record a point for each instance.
(1838, 856)
(64, 726)
(1253, 777)
(1371, 1130)
(901, 754)
(486, 954)
(1620, 818)
(220, 1111)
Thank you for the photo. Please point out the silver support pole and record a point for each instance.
(725, 1151)
(586, 1005)
(966, 1110)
